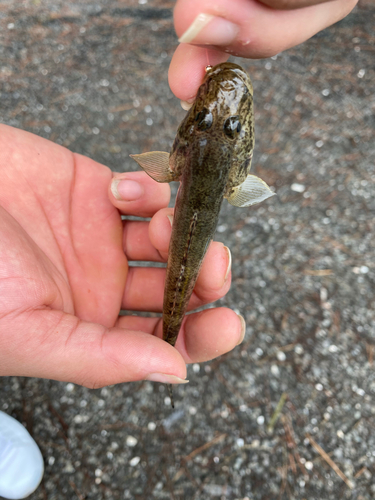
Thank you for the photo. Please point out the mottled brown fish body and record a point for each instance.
(211, 157)
(195, 219)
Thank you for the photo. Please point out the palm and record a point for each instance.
(66, 235)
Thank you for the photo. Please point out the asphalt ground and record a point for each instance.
(289, 414)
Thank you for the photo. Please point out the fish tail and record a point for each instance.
(170, 393)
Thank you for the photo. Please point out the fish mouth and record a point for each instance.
(229, 71)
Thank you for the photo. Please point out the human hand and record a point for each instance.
(64, 273)
(246, 28)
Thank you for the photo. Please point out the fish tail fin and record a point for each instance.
(170, 392)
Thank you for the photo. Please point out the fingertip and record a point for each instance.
(126, 189)
(209, 334)
(187, 69)
(141, 356)
(215, 276)
(135, 193)
(160, 230)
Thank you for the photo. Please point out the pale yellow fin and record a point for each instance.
(156, 165)
(253, 190)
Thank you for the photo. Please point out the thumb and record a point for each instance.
(55, 345)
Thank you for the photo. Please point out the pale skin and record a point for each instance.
(64, 251)
(247, 28)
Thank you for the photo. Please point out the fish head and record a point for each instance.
(221, 116)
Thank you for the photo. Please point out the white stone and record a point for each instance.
(131, 441)
(281, 356)
(134, 461)
(298, 188)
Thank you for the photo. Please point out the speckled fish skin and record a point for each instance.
(209, 162)
(211, 157)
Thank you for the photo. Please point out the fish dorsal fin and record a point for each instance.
(253, 190)
(156, 165)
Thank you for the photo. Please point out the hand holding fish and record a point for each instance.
(247, 28)
(64, 272)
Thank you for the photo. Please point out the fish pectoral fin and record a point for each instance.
(156, 165)
(253, 190)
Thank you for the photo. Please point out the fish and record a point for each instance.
(211, 158)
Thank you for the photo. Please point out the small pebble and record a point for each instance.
(275, 370)
(131, 441)
(281, 356)
(298, 188)
(259, 352)
(298, 349)
(260, 420)
(134, 461)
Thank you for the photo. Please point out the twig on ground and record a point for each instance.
(213, 441)
(330, 462)
(277, 412)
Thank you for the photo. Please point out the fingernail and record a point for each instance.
(243, 329)
(207, 29)
(186, 105)
(126, 189)
(165, 378)
(170, 218)
(229, 264)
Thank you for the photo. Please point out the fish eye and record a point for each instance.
(204, 119)
(232, 126)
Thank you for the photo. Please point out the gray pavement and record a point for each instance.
(93, 77)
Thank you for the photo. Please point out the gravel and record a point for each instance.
(93, 77)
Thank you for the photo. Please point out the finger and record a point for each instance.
(209, 334)
(137, 244)
(141, 244)
(251, 29)
(245, 28)
(203, 336)
(187, 69)
(55, 345)
(144, 288)
(135, 193)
